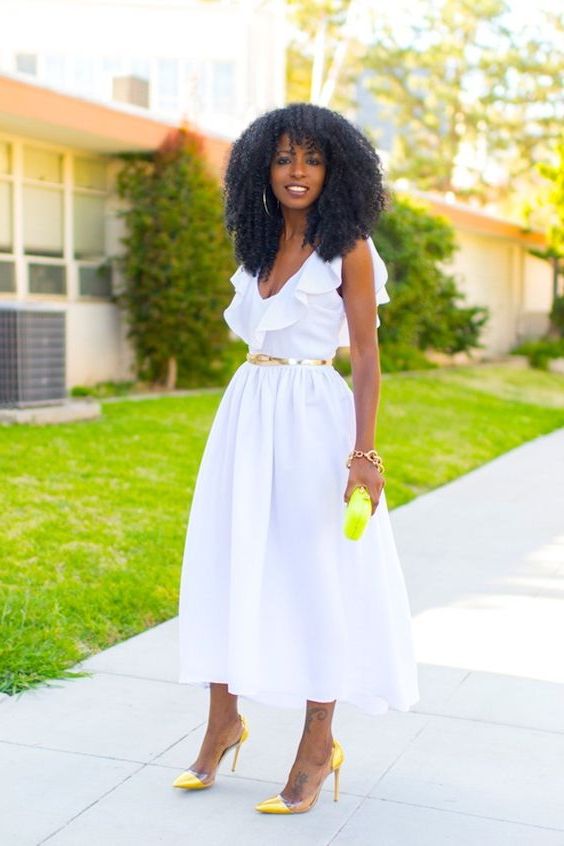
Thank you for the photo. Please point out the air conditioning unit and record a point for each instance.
(32, 355)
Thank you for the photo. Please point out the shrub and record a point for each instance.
(397, 356)
(103, 389)
(176, 260)
(423, 312)
(539, 352)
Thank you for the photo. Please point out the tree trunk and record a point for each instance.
(171, 373)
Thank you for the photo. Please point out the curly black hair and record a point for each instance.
(350, 203)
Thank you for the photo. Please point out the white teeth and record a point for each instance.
(297, 189)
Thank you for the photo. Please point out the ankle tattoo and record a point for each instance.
(315, 713)
(300, 779)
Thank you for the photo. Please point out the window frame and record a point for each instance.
(19, 257)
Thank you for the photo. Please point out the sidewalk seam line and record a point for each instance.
(464, 813)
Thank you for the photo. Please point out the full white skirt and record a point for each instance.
(274, 600)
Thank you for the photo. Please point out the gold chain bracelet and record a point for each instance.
(371, 455)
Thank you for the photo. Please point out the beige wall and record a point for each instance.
(498, 272)
(97, 350)
(537, 297)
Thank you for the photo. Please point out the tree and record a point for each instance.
(475, 102)
(177, 257)
(554, 174)
(465, 94)
(324, 59)
(423, 312)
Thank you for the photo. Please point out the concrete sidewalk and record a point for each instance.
(479, 760)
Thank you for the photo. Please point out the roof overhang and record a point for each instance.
(48, 115)
(474, 220)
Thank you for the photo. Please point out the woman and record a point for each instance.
(276, 604)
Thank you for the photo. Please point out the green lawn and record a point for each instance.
(94, 513)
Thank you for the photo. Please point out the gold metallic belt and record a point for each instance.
(263, 358)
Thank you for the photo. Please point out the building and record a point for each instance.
(58, 214)
(216, 64)
(59, 225)
(84, 80)
(495, 268)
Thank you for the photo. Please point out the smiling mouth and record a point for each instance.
(297, 190)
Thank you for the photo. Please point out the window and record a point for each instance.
(112, 65)
(26, 63)
(6, 217)
(63, 196)
(43, 221)
(89, 241)
(95, 281)
(89, 207)
(223, 86)
(54, 71)
(194, 89)
(43, 165)
(167, 85)
(140, 68)
(42, 202)
(89, 220)
(90, 173)
(47, 279)
(6, 199)
(7, 277)
(5, 158)
(84, 75)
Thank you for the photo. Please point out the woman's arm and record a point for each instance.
(359, 300)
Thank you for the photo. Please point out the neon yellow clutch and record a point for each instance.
(357, 513)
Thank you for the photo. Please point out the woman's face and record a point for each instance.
(297, 174)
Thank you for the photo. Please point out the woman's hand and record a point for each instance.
(363, 472)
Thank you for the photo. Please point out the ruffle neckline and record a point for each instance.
(287, 307)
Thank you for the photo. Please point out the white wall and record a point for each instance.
(538, 285)
(91, 34)
(537, 298)
(498, 273)
(97, 350)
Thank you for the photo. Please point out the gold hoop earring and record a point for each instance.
(264, 201)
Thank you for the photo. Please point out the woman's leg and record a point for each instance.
(312, 763)
(224, 728)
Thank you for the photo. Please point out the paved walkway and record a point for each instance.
(479, 760)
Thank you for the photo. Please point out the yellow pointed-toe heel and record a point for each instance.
(278, 805)
(189, 780)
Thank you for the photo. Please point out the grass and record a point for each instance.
(94, 513)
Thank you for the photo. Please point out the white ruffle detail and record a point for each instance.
(380, 273)
(234, 314)
(287, 307)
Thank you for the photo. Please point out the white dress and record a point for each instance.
(274, 600)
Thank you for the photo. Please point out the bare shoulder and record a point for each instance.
(357, 267)
(359, 296)
(360, 252)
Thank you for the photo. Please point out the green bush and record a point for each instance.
(393, 357)
(220, 369)
(423, 312)
(397, 356)
(540, 352)
(103, 389)
(177, 257)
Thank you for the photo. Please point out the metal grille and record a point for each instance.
(32, 356)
